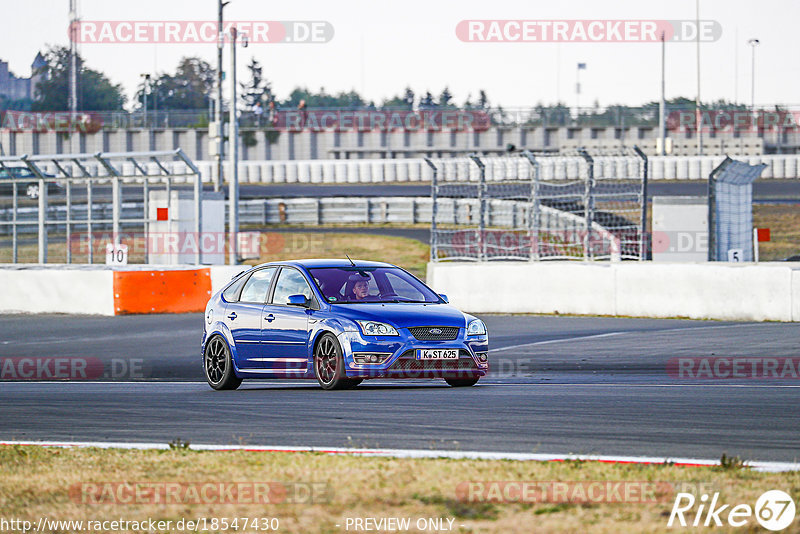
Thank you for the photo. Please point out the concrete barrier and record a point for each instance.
(48, 289)
(101, 290)
(739, 292)
(722, 291)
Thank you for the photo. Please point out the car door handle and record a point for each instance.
(232, 316)
(270, 318)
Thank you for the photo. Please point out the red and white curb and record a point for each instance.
(767, 467)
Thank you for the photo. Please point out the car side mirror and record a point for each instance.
(298, 300)
(444, 298)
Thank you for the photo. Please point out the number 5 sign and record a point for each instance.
(116, 254)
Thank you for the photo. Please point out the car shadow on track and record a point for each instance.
(363, 387)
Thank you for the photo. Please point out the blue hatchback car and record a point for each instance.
(341, 322)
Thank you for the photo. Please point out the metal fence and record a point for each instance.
(537, 207)
(87, 210)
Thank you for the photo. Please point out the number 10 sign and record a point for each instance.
(116, 254)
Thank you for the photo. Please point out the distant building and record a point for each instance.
(15, 88)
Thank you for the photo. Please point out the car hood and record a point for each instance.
(403, 315)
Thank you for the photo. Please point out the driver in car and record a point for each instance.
(357, 288)
(361, 290)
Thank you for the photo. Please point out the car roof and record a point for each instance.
(317, 263)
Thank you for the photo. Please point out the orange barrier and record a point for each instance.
(178, 291)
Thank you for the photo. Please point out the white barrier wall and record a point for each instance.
(38, 289)
(723, 291)
(742, 292)
(76, 289)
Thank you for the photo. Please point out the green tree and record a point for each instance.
(20, 104)
(258, 88)
(189, 88)
(344, 99)
(406, 101)
(483, 100)
(445, 99)
(95, 90)
(427, 101)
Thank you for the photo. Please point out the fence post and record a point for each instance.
(14, 207)
(68, 221)
(588, 204)
(115, 195)
(644, 237)
(434, 193)
(198, 201)
(42, 225)
(534, 210)
(481, 207)
(89, 216)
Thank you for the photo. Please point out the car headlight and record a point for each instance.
(373, 328)
(476, 328)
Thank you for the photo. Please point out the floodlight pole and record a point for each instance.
(662, 133)
(699, 111)
(73, 65)
(753, 44)
(221, 147)
(233, 179)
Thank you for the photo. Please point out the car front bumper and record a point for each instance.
(400, 356)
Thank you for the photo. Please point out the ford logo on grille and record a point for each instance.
(435, 331)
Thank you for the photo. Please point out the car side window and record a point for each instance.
(290, 282)
(232, 293)
(255, 290)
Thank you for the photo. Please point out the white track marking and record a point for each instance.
(276, 383)
(611, 334)
(561, 340)
(772, 467)
(98, 339)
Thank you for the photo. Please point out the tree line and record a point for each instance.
(191, 87)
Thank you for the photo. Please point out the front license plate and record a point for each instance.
(437, 354)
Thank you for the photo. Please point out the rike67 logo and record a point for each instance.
(774, 510)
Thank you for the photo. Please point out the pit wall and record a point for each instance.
(100, 290)
(721, 291)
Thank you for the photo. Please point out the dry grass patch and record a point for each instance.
(36, 482)
(783, 220)
(410, 254)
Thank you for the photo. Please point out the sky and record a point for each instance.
(379, 48)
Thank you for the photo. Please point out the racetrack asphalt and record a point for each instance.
(586, 385)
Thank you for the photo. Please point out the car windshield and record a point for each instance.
(349, 285)
(15, 172)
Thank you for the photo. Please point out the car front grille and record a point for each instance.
(407, 363)
(434, 333)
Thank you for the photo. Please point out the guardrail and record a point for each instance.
(323, 171)
(313, 211)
